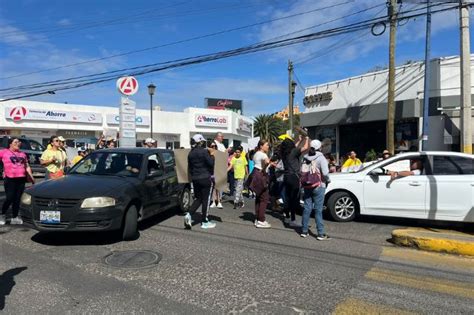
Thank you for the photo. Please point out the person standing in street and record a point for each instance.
(291, 154)
(352, 164)
(16, 171)
(201, 168)
(314, 189)
(218, 140)
(239, 166)
(53, 159)
(259, 183)
(81, 153)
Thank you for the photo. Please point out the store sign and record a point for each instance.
(127, 85)
(244, 125)
(316, 98)
(224, 104)
(76, 133)
(139, 120)
(211, 120)
(22, 113)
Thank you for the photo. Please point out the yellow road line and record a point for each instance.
(352, 306)
(433, 259)
(456, 288)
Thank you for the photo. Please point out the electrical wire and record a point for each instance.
(70, 83)
(180, 41)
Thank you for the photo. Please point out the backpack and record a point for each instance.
(310, 175)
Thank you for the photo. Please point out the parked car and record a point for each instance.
(443, 191)
(110, 189)
(33, 150)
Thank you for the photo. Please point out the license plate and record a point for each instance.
(50, 217)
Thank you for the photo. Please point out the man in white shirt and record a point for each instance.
(218, 139)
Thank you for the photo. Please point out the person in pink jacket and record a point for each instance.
(16, 170)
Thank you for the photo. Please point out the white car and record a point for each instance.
(443, 191)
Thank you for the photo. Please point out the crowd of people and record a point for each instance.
(296, 168)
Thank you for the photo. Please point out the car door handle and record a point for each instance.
(414, 184)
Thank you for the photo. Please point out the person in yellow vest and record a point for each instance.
(81, 153)
(352, 164)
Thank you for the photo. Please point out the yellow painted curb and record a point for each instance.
(435, 243)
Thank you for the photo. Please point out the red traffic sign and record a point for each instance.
(127, 85)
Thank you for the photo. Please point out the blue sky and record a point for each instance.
(38, 35)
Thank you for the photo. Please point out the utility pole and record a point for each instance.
(290, 95)
(426, 89)
(466, 118)
(392, 12)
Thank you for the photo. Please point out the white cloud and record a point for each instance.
(64, 22)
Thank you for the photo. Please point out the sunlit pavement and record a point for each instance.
(233, 268)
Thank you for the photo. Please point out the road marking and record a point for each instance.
(352, 306)
(457, 288)
(433, 259)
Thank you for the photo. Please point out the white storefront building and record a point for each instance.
(40, 120)
(351, 114)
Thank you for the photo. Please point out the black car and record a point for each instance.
(108, 190)
(33, 149)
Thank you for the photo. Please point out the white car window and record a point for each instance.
(452, 165)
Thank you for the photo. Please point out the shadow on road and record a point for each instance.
(7, 282)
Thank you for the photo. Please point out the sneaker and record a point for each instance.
(3, 221)
(208, 225)
(242, 204)
(213, 205)
(188, 224)
(304, 235)
(263, 225)
(323, 237)
(294, 224)
(219, 205)
(280, 201)
(287, 221)
(16, 220)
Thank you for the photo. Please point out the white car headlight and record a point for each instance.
(98, 202)
(26, 199)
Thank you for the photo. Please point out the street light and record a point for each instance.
(290, 109)
(151, 91)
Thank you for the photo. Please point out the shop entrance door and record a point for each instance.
(361, 138)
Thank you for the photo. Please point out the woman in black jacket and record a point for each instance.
(201, 168)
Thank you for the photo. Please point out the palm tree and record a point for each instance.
(268, 127)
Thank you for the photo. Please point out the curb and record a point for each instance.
(441, 241)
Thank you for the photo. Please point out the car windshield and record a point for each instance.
(109, 163)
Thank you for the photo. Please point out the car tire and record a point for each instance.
(130, 224)
(185, 200)
(342, 206)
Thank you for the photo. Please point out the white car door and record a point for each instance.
(401, 197)
(450, 194)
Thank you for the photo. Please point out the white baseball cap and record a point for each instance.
(150, 140)
(198, 138)
(316, 144)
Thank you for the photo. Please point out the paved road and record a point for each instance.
(234, 268)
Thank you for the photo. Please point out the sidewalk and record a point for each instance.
(435, 240)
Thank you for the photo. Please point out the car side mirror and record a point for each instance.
(376, 172)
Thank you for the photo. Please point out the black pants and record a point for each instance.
(292, 190)
(14, 187)
(230, 180)
(203, 193)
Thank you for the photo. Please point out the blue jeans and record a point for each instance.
(313, 199)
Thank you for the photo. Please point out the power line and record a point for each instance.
(180, 41)
(216, 56)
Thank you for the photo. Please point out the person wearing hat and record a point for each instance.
(150, 143)
(386, 154)
(201, 169)
(314, 193)
(81, 153)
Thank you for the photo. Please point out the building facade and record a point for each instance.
(78, 123)
(351, 114)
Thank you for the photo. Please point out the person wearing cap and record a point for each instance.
(386, 154)
(81, 153)
(150, 143)
(201, 169)
(314, 194)
(53, 159)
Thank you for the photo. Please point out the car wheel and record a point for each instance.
(342, 207)
(130, 224)
(185, 200)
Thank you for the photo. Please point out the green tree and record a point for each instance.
(268, 127)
